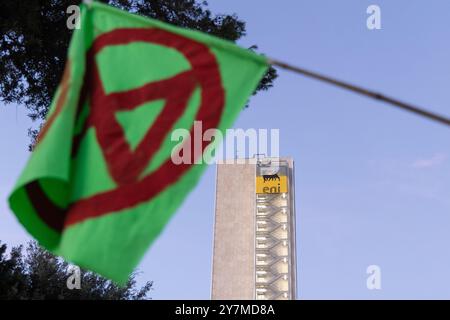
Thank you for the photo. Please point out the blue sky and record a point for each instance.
(372, 182)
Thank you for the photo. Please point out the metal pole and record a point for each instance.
(368, 93)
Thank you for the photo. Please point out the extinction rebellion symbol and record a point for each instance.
(124, 164)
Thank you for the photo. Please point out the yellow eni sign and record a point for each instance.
(271, 183)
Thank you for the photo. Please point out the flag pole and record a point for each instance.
(368, 93)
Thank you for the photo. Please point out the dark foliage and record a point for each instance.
(34, 40)
(38, 274)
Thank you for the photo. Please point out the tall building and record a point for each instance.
(254, 231)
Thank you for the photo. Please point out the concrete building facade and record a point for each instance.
(254, 231)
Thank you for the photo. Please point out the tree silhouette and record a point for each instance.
(33, 47)
(38, 274)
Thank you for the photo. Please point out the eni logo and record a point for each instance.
(271, 177)
(271, 183)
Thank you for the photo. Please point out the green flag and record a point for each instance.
(100, 185)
